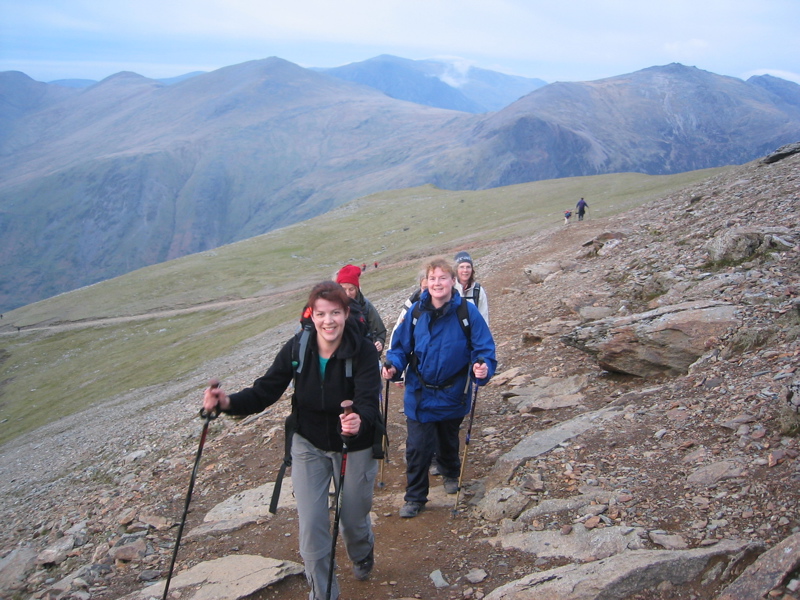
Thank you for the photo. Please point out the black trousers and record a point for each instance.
(423, 441)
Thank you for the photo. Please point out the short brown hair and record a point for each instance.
(440, 263)
(330, 291)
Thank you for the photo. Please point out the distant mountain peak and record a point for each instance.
(446, 82)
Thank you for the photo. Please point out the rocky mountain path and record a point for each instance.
(690, 461)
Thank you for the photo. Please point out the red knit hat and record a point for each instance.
(349, 274)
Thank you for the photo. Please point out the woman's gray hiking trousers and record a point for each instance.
(312, 470)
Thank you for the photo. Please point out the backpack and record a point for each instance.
(567, 213)
(357, 318)
(462, 312)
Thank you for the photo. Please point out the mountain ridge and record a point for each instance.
(438, 83)
(131, 172)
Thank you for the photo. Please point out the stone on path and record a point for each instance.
(227, 578)
(253, 502)
(501, 503)
(767, 572)
(543, 441)
(581, 544)
(708, 475)
(15, 567)
(621, 575)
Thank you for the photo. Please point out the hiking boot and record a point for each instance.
(451, 485)
(411, 509)
(434, 470)
(363, 568)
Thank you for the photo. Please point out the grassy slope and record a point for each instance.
(234, 292)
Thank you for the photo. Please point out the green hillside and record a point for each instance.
(70, 352)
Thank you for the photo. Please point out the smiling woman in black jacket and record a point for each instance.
(339, 364)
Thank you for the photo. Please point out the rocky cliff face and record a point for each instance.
(581, 482)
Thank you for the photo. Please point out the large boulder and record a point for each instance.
(539, 272)
(741, 243)
(15, 567)
(664, 341)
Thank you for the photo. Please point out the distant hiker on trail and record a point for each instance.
(442, 354)
(567, 215)
(581, 206)
(376, 264)
(363, 267)
(338, 364)
(466, 285)
(349, 277)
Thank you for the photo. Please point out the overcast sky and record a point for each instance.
(574, 40)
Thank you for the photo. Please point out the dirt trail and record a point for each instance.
(82, 468)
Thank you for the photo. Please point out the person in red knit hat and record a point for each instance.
(349, 277)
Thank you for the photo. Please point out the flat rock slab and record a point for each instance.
(543, 441)
(581, 545)
(15, 566)
(220, 527)
(252, 503)
(529, 405)
(226, 578)
(554, 386)
(557, 506)
(711, 474)
(767, 572)
(619, 576)
(501, 503)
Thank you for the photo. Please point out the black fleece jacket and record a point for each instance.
(318, 401)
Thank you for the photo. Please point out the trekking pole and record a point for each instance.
(466, 444)
(208, 416)
(347, 407)
(381, 483)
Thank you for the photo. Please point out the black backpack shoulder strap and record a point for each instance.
(299, 351)
(300, 348)
(462, 311)
(476, 293)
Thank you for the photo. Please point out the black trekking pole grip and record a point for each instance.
(387, 364)
(347, 409)
(208, 416)
(212, 414)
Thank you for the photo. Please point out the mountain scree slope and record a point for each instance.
(583, 479)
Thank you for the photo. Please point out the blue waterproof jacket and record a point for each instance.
(439, 387)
